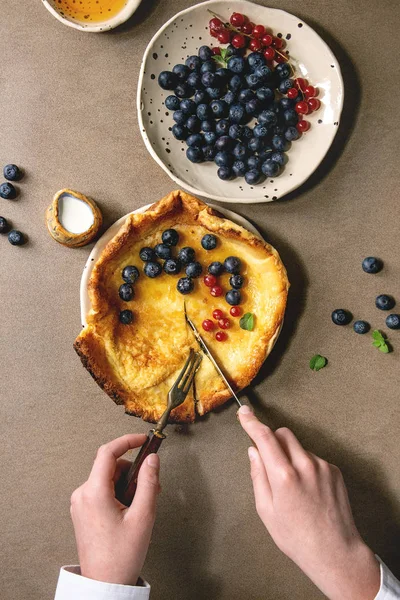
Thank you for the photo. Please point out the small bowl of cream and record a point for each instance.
(92, 15)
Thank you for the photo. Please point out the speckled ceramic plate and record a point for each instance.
(109, 234)
(181, 37)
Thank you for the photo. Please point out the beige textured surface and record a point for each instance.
(67, 115)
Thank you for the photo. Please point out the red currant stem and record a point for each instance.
(229, 26)
(283, 56)
(299, 88)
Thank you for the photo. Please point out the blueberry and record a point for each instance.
(230, 97)
(195, 155)
(126, 292)
(167, 80)
(223, 75)
(290, 116)
(208, 79)
(219, 108)
(283, 70)
(225, 173)
(286, 103)
(265, 153)
(260, 131)
(193, 124)
(179, 117)
(4, 226)
(130, 274)
(285, 85)
(240, 151)
(253, 177)
(263, 73)
(245, 95)
(147, 254)
(8, 191)
(193, 62)
(372, 265)
(267, 117)
(179, 132)
(254, 162)
(255, 144)
(210, 137)
(280, 143)
(126, 317)
(214, 93)
(194, 81)
(186, 255)
(183, 90)
(224, 143)
(172, 266)
(205, 53)
(162, 251)
(393, 321)
(207, 67)
(340, 316)
(385, 302)
(195, 139)
(12, 172)
(265, 95)
(232, 51)
(222, 127)
(201, 97)
(252, 107)
(270, 168)
(203, 111)
(255, 60)
(152, 269)
(253, 81)
(16, 238)
(194, 269)
(239, 168)
(280, 158)
(216, 268)
(181, 71)
(223, 159)
(233, 297)
(207, 125)
(361, 327)
(209, 241)
(209, 152)
(236, 281)
(188, 106)
(185, 285)
(237, 64)
(170, 237)
(232, 265)
(235, 131)
(236, 112)
(291, 134)
(235, 83)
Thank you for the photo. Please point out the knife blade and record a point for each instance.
(207, 352)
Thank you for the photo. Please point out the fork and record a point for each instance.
(126, 487)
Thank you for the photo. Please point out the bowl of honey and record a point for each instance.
(92, 15)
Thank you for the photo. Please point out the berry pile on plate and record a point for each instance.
(241, 110)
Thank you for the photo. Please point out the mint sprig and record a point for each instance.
(318, 362)
(247, 322)
(222, 58)
(380, 341)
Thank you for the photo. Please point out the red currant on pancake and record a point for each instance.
(303, 126)
(310, 91)
(218, 314)
(313, 104)
(208, 325)
(224, 36)
(247, 28)
(235, 311)
(269, 54)
(216, 291)
(267, 39)
(221, 336)
(277, 43)
(210, 280)
(292, 93)
(255, 45)
(237, 19)
(224, 323)
(301, 83)
(238, 41)
(258, 31)
(302, 108)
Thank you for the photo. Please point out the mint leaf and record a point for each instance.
(247, 322)
(380, 341)
(224, 53)
(318, 362)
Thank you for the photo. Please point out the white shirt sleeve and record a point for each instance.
(390, 586)
(73, 586)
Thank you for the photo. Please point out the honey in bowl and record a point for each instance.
(91, 11)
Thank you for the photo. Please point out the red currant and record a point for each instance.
(313, 104)
(208, 325)
(218, 314)
(269, 54)
(255, 45)
(238, 41)
(258, 31)
(247, 28)
(235, 311)
(277, 43)
(237, 19)
(224, 323)
(280, 58)
(216, 25)
(224, 36)
(302, 108)
(301, 83)
(267, 39)
(210, 280)
(214, 33)
(292, 93)
(310, 91)
(221, 336)
(303, 126)
(216, 50)
(216, 291)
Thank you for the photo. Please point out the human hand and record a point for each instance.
(112, 540)
(302, 501)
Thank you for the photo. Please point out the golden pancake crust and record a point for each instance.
(137, 364)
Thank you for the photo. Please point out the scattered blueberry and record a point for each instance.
(126, 317)
(186, 255)
(385, 302)
(170, 237)
(130, 274)
(209, 241)
(172, 266)
(16, 238)
(162, 251)
(341, 316)
(232, 265)
(147, 254)
(8, 191)
(126, 292)
(216, 268)
(194, 269)
(4, 226)
(236, 281)
(372, 265)
(152, 269)
(12, 172)
(361, 327)
(185, 285)
(233, 297)
(393, 321)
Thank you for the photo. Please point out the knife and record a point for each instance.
(207, 352)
